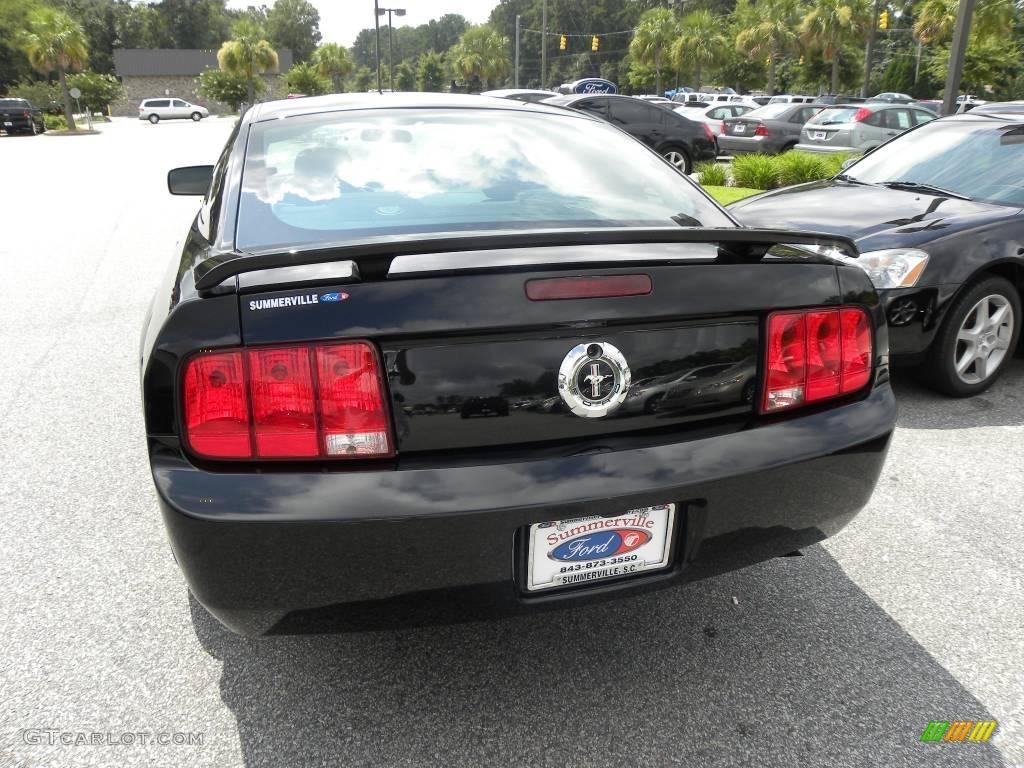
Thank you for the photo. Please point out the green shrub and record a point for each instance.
(755, 172)
(44, 95)
(712, 174)
(55, 122)
(98, 91)
(834, 163)
(801, 167)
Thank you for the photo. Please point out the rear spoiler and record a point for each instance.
(372, 258)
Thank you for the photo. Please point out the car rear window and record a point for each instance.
(770, 111)
(13, 103)
(833, 115)
(333, 176)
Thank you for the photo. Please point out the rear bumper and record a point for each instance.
(824, 149)
(738, 145)
(257, 548)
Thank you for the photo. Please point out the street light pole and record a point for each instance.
(957, 51)
(515, 80)
(376, 26)
(391, 51)
(391, 54)
(544, 44)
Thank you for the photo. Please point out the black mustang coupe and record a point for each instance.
(366, 272)
(938, 215)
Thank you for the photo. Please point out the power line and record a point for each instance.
(576, 34)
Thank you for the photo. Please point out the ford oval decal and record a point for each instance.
(329, 297)
(594, 85)
(594, 546)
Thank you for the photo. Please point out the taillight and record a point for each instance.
(708, 132)
(597, 287)
(290, 402)
(722, 129)
(861, 114)
(761, 130)
(25, 114)
(814, 355)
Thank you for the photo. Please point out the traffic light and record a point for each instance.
(562, 43)
(801, 60)
(594, 43)
(883, 20)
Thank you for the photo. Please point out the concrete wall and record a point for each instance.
(184, 87)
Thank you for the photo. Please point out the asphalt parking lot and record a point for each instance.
(839, 658)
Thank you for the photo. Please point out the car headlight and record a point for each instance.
(893, 267)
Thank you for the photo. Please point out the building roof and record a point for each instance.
(157, 62)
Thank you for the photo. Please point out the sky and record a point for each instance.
(341, 20)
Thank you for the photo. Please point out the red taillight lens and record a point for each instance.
(354, 417)
(861, 114)
(761, 130)
(708, 132)
(294, 402)
(815, 355)
(283, 409)
(25, 114)
(722, 129)
(217, 406)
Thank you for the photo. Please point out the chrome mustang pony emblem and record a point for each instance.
(593, 379)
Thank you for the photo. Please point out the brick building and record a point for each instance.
(153, 72)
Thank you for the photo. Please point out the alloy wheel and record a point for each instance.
(983, 340)
(678, 159)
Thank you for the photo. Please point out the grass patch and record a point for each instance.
(801, 167)
(755, 171)
(712, 174)
(726, 195)
(834, 163)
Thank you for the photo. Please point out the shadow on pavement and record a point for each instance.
(921, 408)
(804, 669)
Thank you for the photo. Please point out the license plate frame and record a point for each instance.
(8, 124)
(739, 128)
(587, 551)
(819, 135)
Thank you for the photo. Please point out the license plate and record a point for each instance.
(739, 128)
(8, 122)
(818, 135)
(586, 550)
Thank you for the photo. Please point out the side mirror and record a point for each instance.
(190, 180)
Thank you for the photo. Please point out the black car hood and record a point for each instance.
(875, 217)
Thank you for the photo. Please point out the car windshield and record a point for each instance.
(329, 177)
(833, 116)
(982, 161)
(770, 111)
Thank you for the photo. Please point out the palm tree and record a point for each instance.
(829, 24)
(701, 43)
(248, 55)
(55, 41)
(934, 19)
(481, 55)
(654, 34)
(767, 30)
(332, 60)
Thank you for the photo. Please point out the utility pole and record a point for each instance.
(917, 64)
(515, 78)
(544, 44)
(376, 26)
(869, 52)
(956, 55)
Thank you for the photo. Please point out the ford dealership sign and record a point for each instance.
(594, 85)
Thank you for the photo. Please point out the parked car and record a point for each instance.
(654, 99)
(932, 105)
(787, 98)
(937, 216)
(891, 98)
(681, 141)
(19, 116)
(859, 128)
(689, 98)
(156, 110)
(767, 130)
(829, 99)
(715, 114)
(314, 304)
(520, 94)
(1000, 107)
